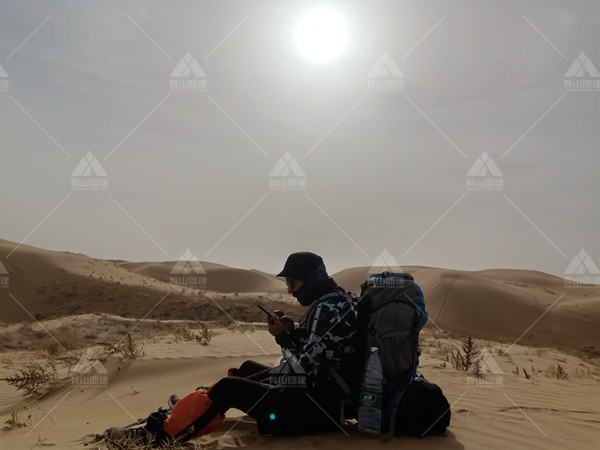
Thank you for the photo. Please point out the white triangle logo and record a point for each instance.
(188, 66)
(385, 263)
(87, 165)
(87, 363)
(188, 263)
(385, 67)
(3, 270)
(484, 164)
(3, 73)
(486, 364)
(582, 66)
(286, 166)
(581, 262)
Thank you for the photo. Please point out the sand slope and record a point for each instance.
(539, 413)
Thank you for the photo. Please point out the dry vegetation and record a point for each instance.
(462, 353)
(79, 333)
(129, 445)
(54, 370)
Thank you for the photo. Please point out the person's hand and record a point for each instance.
(287, 322)
(276, 327)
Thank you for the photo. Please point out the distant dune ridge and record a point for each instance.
(498, 303)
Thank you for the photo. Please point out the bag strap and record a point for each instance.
(335, 374)
(395, 403)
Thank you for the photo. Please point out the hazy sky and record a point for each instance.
(393, 169)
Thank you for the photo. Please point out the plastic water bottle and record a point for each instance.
(369, 406)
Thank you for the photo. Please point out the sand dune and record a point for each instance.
(498, 303)
(219, 278)
(47, 284)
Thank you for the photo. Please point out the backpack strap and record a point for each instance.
(335, 374)
(394, 403)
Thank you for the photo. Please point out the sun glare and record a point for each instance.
(321, 35)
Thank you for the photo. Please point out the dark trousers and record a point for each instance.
(276, 409)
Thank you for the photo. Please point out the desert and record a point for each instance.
(541, 332)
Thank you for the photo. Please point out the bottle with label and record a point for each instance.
(369, 406)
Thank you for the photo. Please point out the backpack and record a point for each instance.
(391, 313)
(423, 409)
(193, 416)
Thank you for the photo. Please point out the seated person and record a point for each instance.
(300, 395)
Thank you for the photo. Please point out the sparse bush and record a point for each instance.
(557, 371)
(38, 380)
(65, 338)
(183, 332)
(464, 360)
(125, 349)
(16, 422)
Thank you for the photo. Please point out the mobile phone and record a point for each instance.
(269, 316)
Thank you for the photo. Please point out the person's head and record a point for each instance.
(298, 269)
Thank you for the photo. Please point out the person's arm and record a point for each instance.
(335, 327)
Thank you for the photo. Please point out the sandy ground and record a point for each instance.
(83, 300)
(513, 412)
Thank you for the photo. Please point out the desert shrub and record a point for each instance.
(16, 421)
(38, 380)
(556, 371)
(126, 349)
(464, 360)
(183, 333)
(64, 338)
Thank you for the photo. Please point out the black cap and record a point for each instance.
(300, 265)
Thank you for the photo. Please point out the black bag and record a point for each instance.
(423, 409)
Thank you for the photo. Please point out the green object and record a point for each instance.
(370, 398)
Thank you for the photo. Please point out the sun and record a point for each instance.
(321, 35)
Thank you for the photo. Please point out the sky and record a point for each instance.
(455, 134)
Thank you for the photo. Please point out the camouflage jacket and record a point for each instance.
(326, 334)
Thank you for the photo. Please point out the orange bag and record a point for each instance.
(187, 410)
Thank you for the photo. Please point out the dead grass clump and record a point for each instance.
(556, 371)
(67, 338)
(15, 422)
(203, 335)
(132, 445)
(126, 349)
(464, 360)
(38, 380)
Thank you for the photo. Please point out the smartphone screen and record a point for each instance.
(269, 316)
